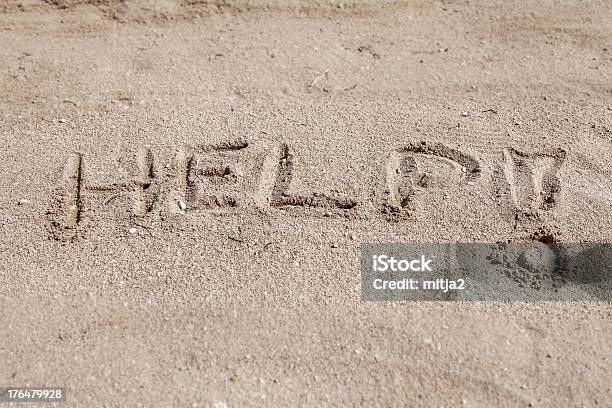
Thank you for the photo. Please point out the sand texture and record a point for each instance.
(185, 186)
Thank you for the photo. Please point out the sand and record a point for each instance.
(186, 186)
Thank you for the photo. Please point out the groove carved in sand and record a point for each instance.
(209, 181)
(278, 171)
(200, 180)
(67, 212)
(423, 166)
(147, 190)
(532, 178)
(210, 176)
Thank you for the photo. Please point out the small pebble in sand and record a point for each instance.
(133, 230)
(353, 237)
(464, 113)
(470, 183)
(463, 169)
(328, 214)
(334, 245)
(24, 201)
(182, 205)
(62, 121)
